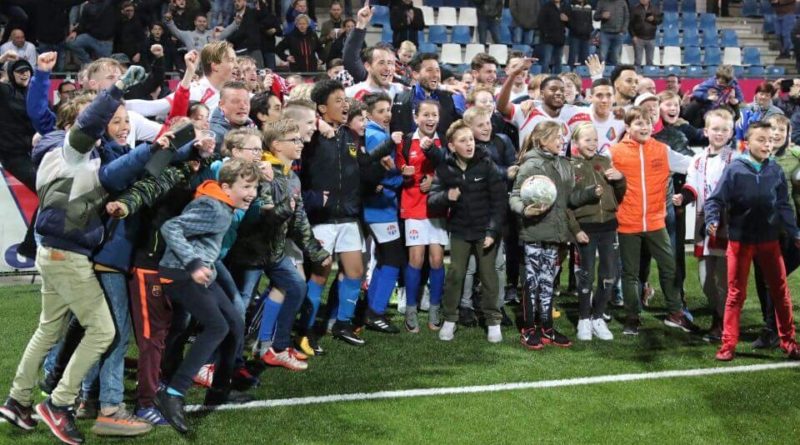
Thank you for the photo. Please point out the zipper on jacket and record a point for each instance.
(644, 188)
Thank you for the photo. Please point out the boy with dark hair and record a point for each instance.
(755, 197)
(194, 240)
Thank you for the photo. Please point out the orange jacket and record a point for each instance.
(646, 169)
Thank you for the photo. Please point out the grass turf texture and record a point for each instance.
(732, 408)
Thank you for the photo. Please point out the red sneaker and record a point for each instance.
(285, 359)
(297, 354)
(725, 354)
(204, 376)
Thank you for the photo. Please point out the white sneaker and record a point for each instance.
(448, 330)
(495, 335)
(401, 300)
(425, 303)
(584, 329)
(600, 330)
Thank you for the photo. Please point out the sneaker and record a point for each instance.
(217, 397)
(411, 323)
(555, 338)
(260, 348)
(343, 330)
(725, 354)
(511, 295)
(243, 380)
(380, 323)
(401, 299)
(297, 354)
(285, 359)
(647, 294)
(152, 415)
(425, 301)
(607, 317)
(679, 321)
(494, 334)
(768, 339)
(171, 408)
(532, 339)
(714, 335)
(584, 329)
(466, 317)
(309, 345)
(61, 421)
(631, 327)
(87, 409)
(18, 415)
(120, 423)
(600, 330)
(434, 321)
(204, 376)
(447, 333)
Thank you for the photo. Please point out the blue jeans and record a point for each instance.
(84, 44)
(222, 13)
(551, 54)
(488, 24)
(111, 369)
(783, 28)
(228, 285)
(578, 51)
(523, 36)
(58, 48)
(610, 48)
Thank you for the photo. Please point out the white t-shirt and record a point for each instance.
(569, 116)
(361, 89)
(609, 131)
(200, 91)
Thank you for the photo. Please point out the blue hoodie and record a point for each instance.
(757, 202)
(382, 207)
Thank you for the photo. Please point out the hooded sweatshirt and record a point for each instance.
(16, 130)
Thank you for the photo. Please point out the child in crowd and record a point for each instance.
(417, 159)
(544, 229)
(194, 241)
(753, 194)
(702, 178)
(473, 190)
(599, 221)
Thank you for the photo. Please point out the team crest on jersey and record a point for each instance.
(352, 149)
(611, 134)
(413, 234)
(156, 290)
(391, 229)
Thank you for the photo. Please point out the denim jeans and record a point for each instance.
(643, 46)
(578, 51)
(523, 36)
(551, 54)
(610, 47)
(58, 48)
(284, 276)
(605, 246)
(488, 24)
(222, 13)
(228, 285)
(111, 369)
(85, 44)
(783, 29)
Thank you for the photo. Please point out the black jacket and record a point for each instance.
(248, 35)
(52, 20)
(553, 30)
(480, 210)
(99, 19)
(16, 130)
(269, 21)
(129, 36)
(401, 29)
(170, 52)
(580, 21)
(305, 48)
(403, 112)
(639, 25)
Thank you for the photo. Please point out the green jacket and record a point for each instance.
(557, 224)
(590, 173)
(789, 162)
(262, 241)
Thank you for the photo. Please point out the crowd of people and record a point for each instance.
(160, 216)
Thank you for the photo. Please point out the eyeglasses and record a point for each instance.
(297, 141)
(253, 149)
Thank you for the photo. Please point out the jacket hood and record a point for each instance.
(375, 126)
(212, 189)
(535, 153)
(48, 142)
(272, 159)
(11, 67)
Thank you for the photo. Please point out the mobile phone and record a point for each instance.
(183, 135)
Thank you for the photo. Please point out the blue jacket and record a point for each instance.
(42, 117)
(220, 125)
(382, 207)
(757, 203)
(701, 92)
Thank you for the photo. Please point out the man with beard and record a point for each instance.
(484, 69)
(380, 64)
(626, 83)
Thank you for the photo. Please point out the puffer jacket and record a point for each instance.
(558, 223)
(601, 216)
(479, 211)
(262, 240)
(16, 130)
(646, 167)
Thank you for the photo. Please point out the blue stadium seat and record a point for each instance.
(582, 70)
(711, 69)
(708, 20)
(671, 37)
(695, 71)
(435, 3)
(380, 15)
(670, 20)
(710, 39)
(426, 47)
(527, 50)
(691, 55)
(689, 39)
(738, 70)
(608, 70)
(750, 8)
(769, 24)
(437, 34)
(713, 56)
(729, 38)
(688, 6)
(670, 6)
(461, 35)
(776, 70)
(751, 56)
(689, 21)
(386, 34)
(755, 71)
(652, 71)
(536, 69)
(672, 70)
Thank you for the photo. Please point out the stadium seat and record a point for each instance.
(750, 8)
(695, 71)
(670, 20)
(468, 17)
(732, 56)
(755, 71)
(670, 6)
(689, 21)
(437, 34)
(710, 39)
(536, 69)
(626, 57)
(672, 56)
(691, 55)
(499, 52)
(583, 71)
(713, 56)
(435, 3)
(462, 35)
(447, 17)
(751, 56)
(738, 71)
(769, 24)
(427, 15)
(426, 47)
(708, 20)
(690, 38)
(451, 54)
(672, 70)
(670, 40)
(652, 71)
(657, 56)
(380, 16)
(525, 49)
(776, 70)
(608, 70)
(688, 6)
(729, 38)
(386, 34)
(472, 49)
(670, 32)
